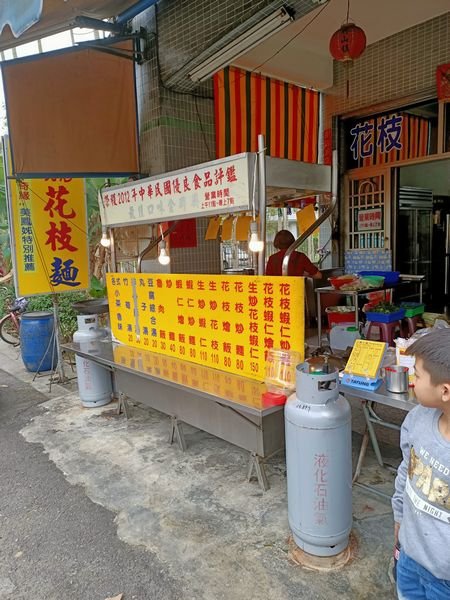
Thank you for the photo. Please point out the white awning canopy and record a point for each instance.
(24, 21)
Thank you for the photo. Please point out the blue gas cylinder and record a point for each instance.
(37, 341)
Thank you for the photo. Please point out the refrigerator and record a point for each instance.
(415, 233)
(441, 253)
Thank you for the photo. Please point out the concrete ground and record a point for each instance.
(92, 506)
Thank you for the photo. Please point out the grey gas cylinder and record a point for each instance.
(319, 462)
(94, 381)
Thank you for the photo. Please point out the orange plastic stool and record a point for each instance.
(387, 332)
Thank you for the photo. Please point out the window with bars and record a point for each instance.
(366, 212)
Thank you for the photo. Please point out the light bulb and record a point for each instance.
(163, 257)
(255, 244)
(105, 240)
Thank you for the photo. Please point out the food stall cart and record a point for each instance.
(194, 346)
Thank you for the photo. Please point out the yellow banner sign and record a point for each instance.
(225, 322)
(49, 228)
(198, 377)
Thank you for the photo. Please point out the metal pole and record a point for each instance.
(323, 217)
(262, 201)
(60, 365)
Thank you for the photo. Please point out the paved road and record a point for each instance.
(194, 529)
(55, 543)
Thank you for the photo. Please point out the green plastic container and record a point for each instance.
(413, 309)
(373, 281)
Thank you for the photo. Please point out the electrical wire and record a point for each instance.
(254, 70)
(178, 92)
(44, 201)
(202, 130)
(293, 38)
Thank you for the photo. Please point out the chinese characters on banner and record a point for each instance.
(228, 323)
(211, 188)
(370, 220)
(385, 135)
(49, 227)
(386, 138)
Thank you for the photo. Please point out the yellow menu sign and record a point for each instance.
(365, 359)
(217, 383)
(225, 322)
(49, 228)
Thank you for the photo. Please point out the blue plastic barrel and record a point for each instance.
(37, 342)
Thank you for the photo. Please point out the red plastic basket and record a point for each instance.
(340, 280)
(338, 317)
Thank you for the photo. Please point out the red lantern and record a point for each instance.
(347, 43)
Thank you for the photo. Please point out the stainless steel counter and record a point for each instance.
(404, 402)
(369, 401)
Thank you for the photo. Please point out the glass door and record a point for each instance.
(424, 227)
(406, 241)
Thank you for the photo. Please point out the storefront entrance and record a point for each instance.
(423, 228)
(397, 197)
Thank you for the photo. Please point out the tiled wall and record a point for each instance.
(398, 67)
(176, 118)
(203, 259)
(189, 27)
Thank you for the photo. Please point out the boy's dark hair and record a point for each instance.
(434, 350)
(283, 240)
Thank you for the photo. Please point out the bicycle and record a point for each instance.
(10, 323)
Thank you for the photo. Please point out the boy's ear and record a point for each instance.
(446, 392)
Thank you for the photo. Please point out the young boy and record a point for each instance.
(421, 502)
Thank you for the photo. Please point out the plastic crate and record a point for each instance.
(379, 317)
(413, 309)
(338, 317)
(389, 276)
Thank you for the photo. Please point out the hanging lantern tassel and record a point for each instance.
(347, 44)
(347, 66)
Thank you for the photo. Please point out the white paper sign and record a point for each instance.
(220, 186)
(369, 220)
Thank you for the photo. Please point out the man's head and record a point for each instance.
(283, 240)
(432, 353)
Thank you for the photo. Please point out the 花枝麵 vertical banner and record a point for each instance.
(49, 228)
(228, 323)
(248, 104)
(386, 138)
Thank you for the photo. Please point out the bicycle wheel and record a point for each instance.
(9, 331)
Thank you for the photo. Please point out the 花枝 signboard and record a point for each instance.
(49, 227)
(217, 187)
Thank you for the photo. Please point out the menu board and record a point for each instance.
(225, 322)
(365, 359)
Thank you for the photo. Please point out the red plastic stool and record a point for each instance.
(387, 332)
(410, 325)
